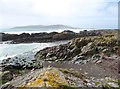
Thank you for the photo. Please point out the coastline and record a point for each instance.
(43, 37)
(28, 53)
(87, 55)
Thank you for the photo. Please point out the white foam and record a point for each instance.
(11, 50)
(48, 31)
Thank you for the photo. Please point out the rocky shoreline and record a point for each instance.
(87, 61)
(80, 49)
(49, 37)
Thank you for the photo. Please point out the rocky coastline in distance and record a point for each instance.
(90, 59)
(50, 37)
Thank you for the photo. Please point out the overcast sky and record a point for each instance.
(76, 13)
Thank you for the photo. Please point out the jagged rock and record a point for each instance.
(89, 49)
(96, 57)
(107, 83)
(99, 61)
(75, 50)
(59, 78)
(107, 51)
(63, 36)
(51, 59)
(53, 36)
(78, 59)
(80, 42)
(100, 50)
(84, 46)
(7, 86)
(50, 77)
(6, 76)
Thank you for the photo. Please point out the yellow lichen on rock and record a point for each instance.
(49, 77)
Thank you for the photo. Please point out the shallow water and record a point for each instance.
(11, 50)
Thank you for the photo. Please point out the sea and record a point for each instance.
(19, 31)
(8, 50)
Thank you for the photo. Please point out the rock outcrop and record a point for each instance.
(94, 60)
(57, 78)
(50, 37)
(81, 49)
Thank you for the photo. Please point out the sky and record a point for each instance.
(75, 13)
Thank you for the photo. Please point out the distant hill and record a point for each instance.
(44, 27)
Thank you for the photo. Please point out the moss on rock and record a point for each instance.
(50, 77)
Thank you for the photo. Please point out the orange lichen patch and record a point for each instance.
(50, 77)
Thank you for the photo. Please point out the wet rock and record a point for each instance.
(7, 60)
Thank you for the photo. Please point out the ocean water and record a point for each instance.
(11, 50)
(19, 31)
